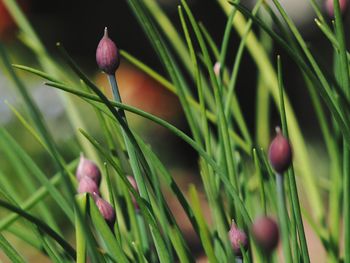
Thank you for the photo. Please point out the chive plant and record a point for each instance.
(113, 200)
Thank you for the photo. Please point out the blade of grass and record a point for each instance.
(226, 143)
(10, 251)
(193, 103)
(29, 37)
(297, 140)
(345, 84)
(234, 106)
(34, 199)
(25, 158)
(80, 239)
(168, 61)
(43, 226)
(203, 228)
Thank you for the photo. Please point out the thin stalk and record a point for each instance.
(260, 180)
(80, 238)
(346, 175)
(207, 174)
(268, 73)
(291, 176)
(132, 155)
(345, 84)
(135, 166)
(262, 119)
(283, 218)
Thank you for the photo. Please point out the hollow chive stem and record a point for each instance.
(283, 218)
(80, 238)
(108, 60)
(132, 154)
(115, 90)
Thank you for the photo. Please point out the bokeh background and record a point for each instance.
(79, 26)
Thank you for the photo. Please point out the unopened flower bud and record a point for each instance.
(217, 68)
(280, 153)
(134, 185)
(330, 7)
(87, 185)
(88, 168)
(266, 234)
(238, 239)
(106, 210)
(107, 55)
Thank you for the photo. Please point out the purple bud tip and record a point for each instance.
(238, 239)
(106, 210)
(88, 168)
(330, 7)
(134, 185)
(107, 55)
(266, 234)
(280, 153)
(87, 185)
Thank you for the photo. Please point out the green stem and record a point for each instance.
(132, 154)
(291, 175)
(268, 73)
(283, 218)
(135, 166)
(80, 238)
(346, 175)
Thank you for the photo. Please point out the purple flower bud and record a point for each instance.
(280, 153)
(88, 168)
(107, 55)
(266, 234)
(87, 185)
(330, 7)
(238, 239)
(134, 185)
(106, 210)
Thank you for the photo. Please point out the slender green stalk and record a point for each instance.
(260, 180)
(135, 166)
(283, 218)
(291, 176)
(44, 227)
(80, 239)
(267, 71)
(132, 155)
(345, 84)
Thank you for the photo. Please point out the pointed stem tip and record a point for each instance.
(105, 34)
(278, 130)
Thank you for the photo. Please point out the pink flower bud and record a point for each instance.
(238, 239)
(88, 168)
(87, 185)
(280, 153)
(266, 234)
(134, 185)
(330, 7)
(217, 68)
(107, 55)
(106, 210)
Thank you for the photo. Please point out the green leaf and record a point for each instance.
(36, 171)
(203, 228)
(10, 251)
(113, 246)
(42, 226)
